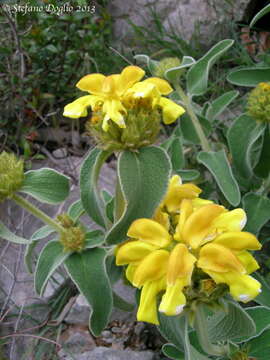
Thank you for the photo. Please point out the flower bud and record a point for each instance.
(11, 175)
(73, 239)
(258, 105)
(166, 64)
(65, 220)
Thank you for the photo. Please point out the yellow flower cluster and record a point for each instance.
(188, 235)
(112, 96)
(258, 104)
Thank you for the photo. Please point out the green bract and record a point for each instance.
(11, 175)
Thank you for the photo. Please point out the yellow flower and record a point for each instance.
(151, 90)
(188, 234)
(106, 94)
(115, 94)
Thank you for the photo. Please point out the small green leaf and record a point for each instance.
(76, 210)
(110, 210)
(260, 14)
(46, 185)
(188, 175)
(9, 236)
(197, 76)
(242, 150)
(176, 154)
(50, 258)
(106, 196)
(249, 76)
(143, 178)
(218, 165)
(109, 205)
(175, 330)
(188, 129)
(262, 168)
(172, 352)
(220, 104)
(93, 239)
(42, 233)
(259, 347)
(174, 73)
(88, 271)
(257, 208)
(91, 200)
(234, 323)
(52, 48)
(172, 329)
(29, 256)
(151, 64)
(261, 318)
(264, 297)
(114, 271)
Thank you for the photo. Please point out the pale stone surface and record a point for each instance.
(211, 17)
(79, 313)
(103, 353)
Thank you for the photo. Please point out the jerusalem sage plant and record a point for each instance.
(184, 246)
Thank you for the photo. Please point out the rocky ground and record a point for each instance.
(30, 327)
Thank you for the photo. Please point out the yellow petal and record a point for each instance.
(234, 220)
(218, 258)
(78, 108)
(128, 77)
(147, 310)
(181, 263)
(149, 231)
(238, 240)
(152, 267)
(242, 287)
(132, 252)
(92, 83)
(113, 110)
(248, 261)
(143, 90)
(186, 210)
(198, 202)
(176, 193)
(130, 271)
(163, 86)
(170, 110)
(173, 301)
(109, 86)
(162, 218)
(198, 225)
(175, 180)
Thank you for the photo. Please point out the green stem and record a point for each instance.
(202, 333)
(36, 212)
(193, 116)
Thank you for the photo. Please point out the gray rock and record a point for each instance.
(60, 153)
(79, 313)
(77, 340)
(103, 353)
(210, 16)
